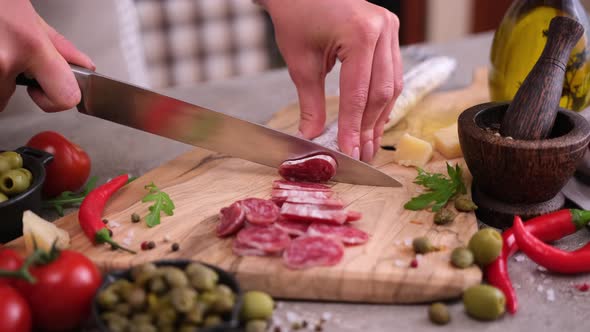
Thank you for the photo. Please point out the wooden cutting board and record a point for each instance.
(201, 182)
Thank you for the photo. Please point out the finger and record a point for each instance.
(380, 95)
(67, 49)
(42, 100)
(7, 88)
(355, 77)
(310, 86)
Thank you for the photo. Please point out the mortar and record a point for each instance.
(522, 153)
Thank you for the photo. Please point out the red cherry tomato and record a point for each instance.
(70, 167)
(61, 298)
(10, 260)
(14, 311)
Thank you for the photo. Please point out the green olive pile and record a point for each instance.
(166, 298)
(14, 179)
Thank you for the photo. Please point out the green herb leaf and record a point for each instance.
(162, 203)
(440, 189)
(70, 199)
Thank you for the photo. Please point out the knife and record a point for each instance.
(148, 111)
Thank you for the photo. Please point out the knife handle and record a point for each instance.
(80, 73)
(21, 79)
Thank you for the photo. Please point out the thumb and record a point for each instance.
(312, 102)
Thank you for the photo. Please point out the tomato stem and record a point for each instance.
(23, 271)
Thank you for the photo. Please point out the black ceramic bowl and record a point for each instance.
(231, 321)
(11, 211)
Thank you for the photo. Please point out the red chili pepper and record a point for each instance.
(549, 227)
(90, 214)
(553, 259)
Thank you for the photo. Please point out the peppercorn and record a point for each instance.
(144, 245)
(414, 263)
(465, 204)
(151, 245)
(135, 217)
(105, 221)
(444, 216)
(175, 246)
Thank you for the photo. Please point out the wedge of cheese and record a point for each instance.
(412, 151)
(446, 141)
(43, 232)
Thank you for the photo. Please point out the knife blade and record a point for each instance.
(149, 111)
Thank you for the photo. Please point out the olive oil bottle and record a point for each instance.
(519, 41)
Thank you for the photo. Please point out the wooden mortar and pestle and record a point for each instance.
(522, 153)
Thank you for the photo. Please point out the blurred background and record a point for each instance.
(165, 43)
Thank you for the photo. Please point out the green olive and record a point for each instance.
(439, 313)
(145, 269)
(157, 285)
(187, 328)
(208, 299)
(175, 278)
(422, 245)
(166, 316)
(462, 258)
(136, 298)
(142, 327)
(123, 309)
(486, 246)
(107, 299)
(115, 322)
(183, 299)
(152, 303)
(141, 318)
(484, 302)
(465, 204)
(3, 197)
(4, 165)
(444, 216)
(27, 173)
(256, 325)
(202, 277)
(14, 182)
(257, 305)
(166, 328)
(196, 313)
(15, 160)
(212, 320)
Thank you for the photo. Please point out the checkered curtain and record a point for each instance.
(187, 41)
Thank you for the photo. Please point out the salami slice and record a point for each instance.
(313, 213)
(352, 216)
(267, 239)
(293, 228)
(231, 220)
(310, 251)
(318, 168)
(344, 233)
(241, 249)
(305, 186)
(333, 202)
(277, 193)
(260, 211)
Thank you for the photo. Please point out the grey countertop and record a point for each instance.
(115, 149)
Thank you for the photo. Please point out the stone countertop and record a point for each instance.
(115, 149)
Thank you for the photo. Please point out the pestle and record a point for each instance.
(532, 112)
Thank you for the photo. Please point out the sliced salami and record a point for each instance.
(305, 186)
(268, 239)
(241, 249)
(310, 251)
(260, 211)
(352, 216)
(344, 233)
(333, 202)
(231, 220)
(313, 213)
(318, 168)
(277, 193)
(293, 228)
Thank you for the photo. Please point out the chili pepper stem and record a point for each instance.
(580, 218)
(102, 236)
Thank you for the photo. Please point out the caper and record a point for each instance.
(146, 268)
(256, 325)
(142, 327)
(141, 318)
(3, 197)
(212, 320)
(484, 302)
(202, 277)
(107, 299)
(166, 316)
(257, 305)
(157, 285)
(444, 216)
(27, 173)
(188, 328)
(439, 313)
(14, 159)
(465, 204)
(136, 298)
(14, 182)
(183, 299)
(124, 309)
(196, 313)
(462, 258)
(486, 246)
(422, 245)
(175, 277)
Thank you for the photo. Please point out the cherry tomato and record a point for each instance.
(14, 311)
(70, 167)
(61, 298)
(10, 260)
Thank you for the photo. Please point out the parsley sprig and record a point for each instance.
(162, 203)
(440, 189)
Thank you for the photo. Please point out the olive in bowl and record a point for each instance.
(22, 173)
(175, 295)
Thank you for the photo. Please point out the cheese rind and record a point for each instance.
(446, 141)
(43, 232)
(412, 151)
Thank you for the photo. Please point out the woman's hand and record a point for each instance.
(311, 35)
(29, 45)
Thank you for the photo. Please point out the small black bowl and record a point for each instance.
(11, 225)
(231, 321)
